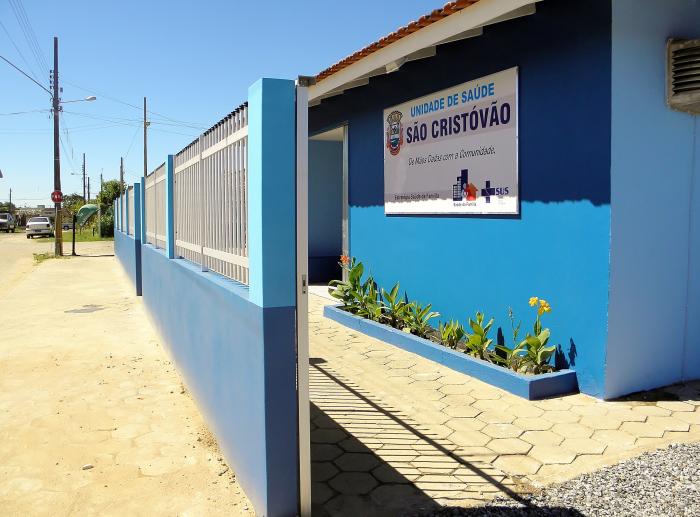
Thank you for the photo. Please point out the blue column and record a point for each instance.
(144, 240)
(271, 184)
(137, 236)
(169, 207)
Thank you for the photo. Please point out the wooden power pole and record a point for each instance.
(58, 231)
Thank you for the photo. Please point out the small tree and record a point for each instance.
(110, 192)
(72, 203)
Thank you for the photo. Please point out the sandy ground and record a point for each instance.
(94, 419)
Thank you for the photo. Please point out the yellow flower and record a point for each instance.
(544, 307)
(543, 302)
(533, 301)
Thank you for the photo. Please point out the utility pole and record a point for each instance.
(145, 141)
(58, 231)
(99, 207)
(85, 200)
(10, 207)
(121, 189)
(88, 198)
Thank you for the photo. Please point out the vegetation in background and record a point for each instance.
(41, 257)
(364, 298)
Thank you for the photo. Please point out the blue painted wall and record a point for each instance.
(558, 248)
(238, 361)
(654, 331)
(125, 251)
(325, 209)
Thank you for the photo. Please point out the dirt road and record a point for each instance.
(94, 418)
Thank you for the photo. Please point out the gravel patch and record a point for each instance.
(663, 483)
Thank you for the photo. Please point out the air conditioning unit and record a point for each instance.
(683, 75)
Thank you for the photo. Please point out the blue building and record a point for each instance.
(607, 222)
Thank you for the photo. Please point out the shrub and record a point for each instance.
(451, 334)
(478, 343)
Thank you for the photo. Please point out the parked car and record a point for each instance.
(67, 225)
(7, 222)
(39, 226)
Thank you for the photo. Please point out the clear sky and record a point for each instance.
(193, 60)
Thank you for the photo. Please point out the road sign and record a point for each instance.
(57, 196)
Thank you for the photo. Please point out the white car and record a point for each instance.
(39, 226)
(7, 222)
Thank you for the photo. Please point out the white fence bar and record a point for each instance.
(130, 197)
(211, 198)
(155, 207)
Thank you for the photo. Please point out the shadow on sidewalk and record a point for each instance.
(370, 459)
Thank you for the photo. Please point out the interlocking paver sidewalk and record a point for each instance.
(508, 440)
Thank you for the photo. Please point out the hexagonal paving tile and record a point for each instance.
(426, 376)
(533, 424)
(327, 436)
(322, 470)
(547, 454)
(669, 423)
(517, 465)
(690, 418)
(469, 438)
(385, 473)
(675, 405)
(465, 424)
(502, 430)
(483, 391)
(455, 389)
(572, 430)
(489, 405)
(583, 446)
(651, 410)
(509, 446)
(461, 411)
(398, 372)
(458, 400)
(553, 404)
(401, 363)
(601, 422)
(325, 452)
(618, 439)
(561, 417)
(320, 493)
(356, 462)
(353, 483)
(642, 429)
(496, 417)
(542, 438)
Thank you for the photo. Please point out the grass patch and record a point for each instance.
(84, 236)
(41, 257)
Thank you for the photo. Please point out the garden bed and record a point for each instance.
(531, 387)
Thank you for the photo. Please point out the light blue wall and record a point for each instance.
(325, 209)
(272, 192)
(652, 338)
(125, 251)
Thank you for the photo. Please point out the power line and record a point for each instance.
(24, 112)
(26, 75)
(30, 35)
(18, 50)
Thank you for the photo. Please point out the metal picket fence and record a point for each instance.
(130, 208)
(155, 207)
(211, 198)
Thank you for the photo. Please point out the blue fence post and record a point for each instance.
(137, 236)
(272, 266)
(142, 204)
(169, 207)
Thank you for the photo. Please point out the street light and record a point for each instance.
(86, 99)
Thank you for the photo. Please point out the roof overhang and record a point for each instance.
(466, 23)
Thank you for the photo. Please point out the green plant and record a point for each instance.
(346, 291)
(394, 307)
(478, 343)
(538, 354)
(512, 358)
(451, 334)
(368, 303)
(418, 319)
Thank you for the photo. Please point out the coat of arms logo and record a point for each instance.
(394, 132)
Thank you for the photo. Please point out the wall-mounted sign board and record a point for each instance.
(454, 151)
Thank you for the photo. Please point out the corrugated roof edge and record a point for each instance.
(428, 19)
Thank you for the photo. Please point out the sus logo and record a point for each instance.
(394, 132)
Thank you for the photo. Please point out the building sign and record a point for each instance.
(454, 151)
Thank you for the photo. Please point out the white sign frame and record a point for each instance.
(405, 191)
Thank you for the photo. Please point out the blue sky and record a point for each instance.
(193, 60)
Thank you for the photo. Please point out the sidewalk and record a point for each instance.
(392, 428)
(84, 381)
